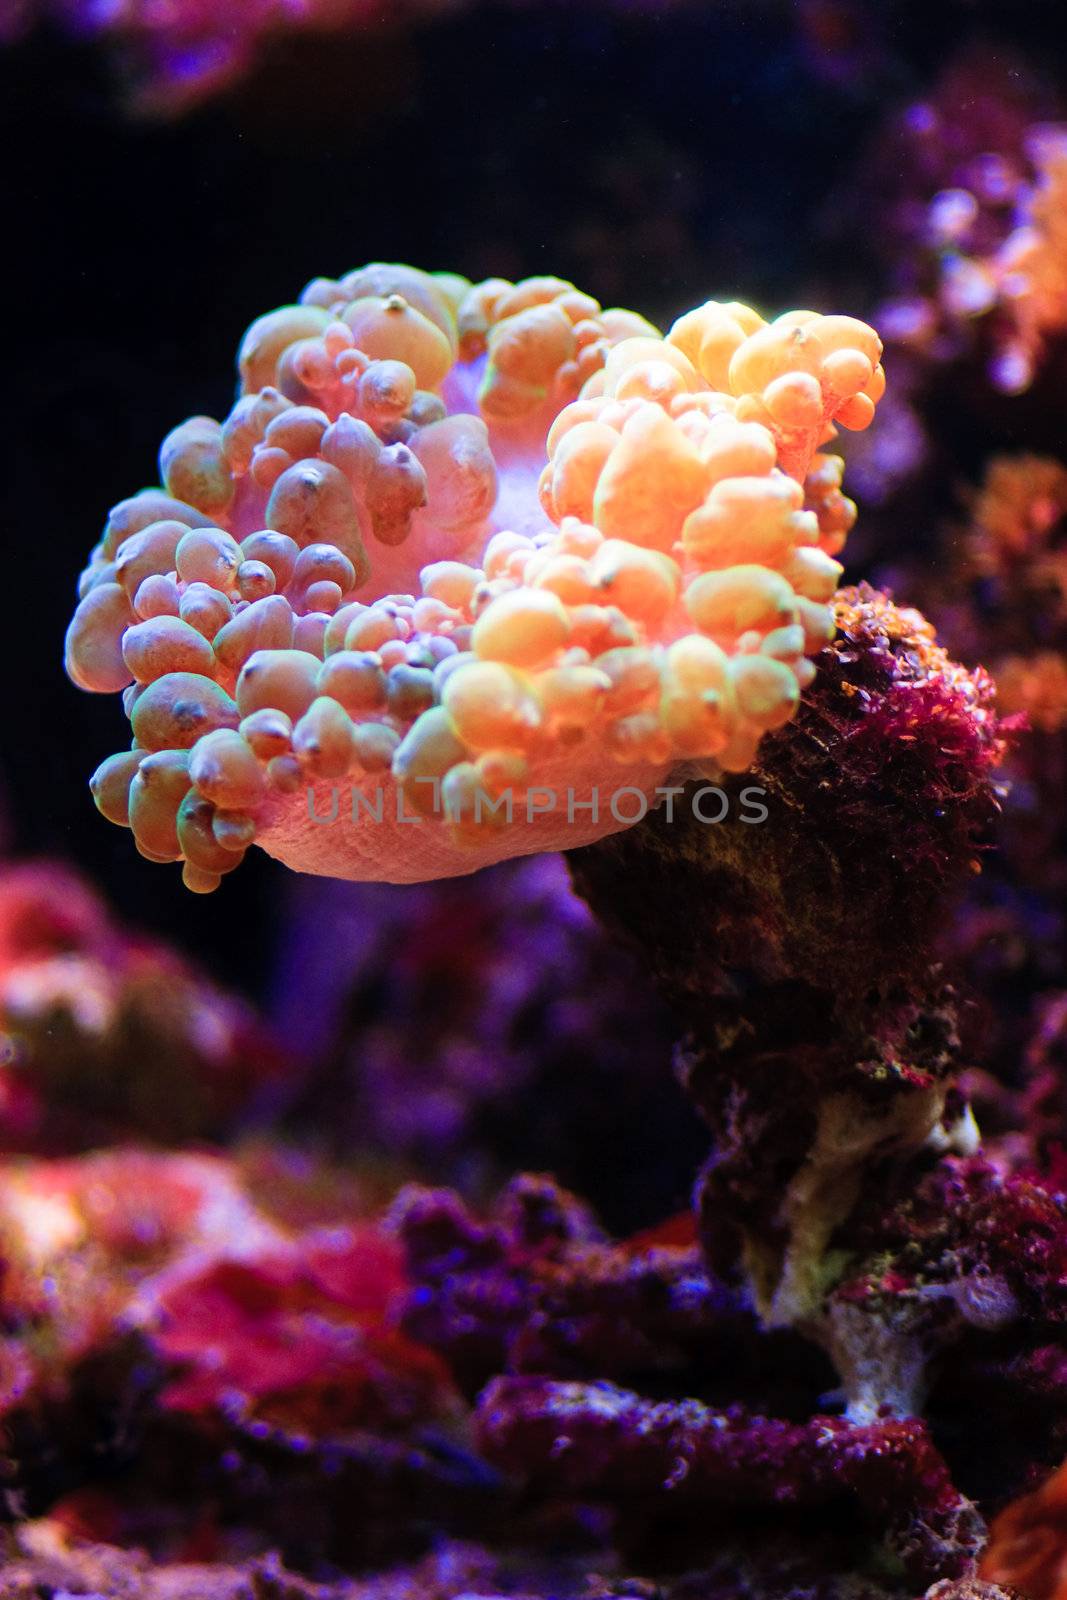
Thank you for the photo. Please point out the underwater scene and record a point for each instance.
(533, 801)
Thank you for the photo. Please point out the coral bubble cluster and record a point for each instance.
(463, 547)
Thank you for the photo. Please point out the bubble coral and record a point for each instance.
(370, 572)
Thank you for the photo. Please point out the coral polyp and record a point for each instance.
(476, 557)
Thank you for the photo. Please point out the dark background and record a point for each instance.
(656, 156)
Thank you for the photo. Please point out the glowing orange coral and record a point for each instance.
(371, 572)
(1028, 1542)
(1016, 552)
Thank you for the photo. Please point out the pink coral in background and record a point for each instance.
(172, 55)
(157, 1311)
(968, 184)
(299, 1336)
(1016, 279)
(103, 1033)
(977, 207)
